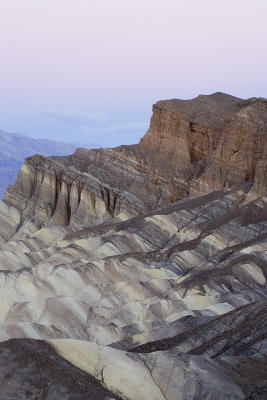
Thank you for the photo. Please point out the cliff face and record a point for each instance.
(224, 136)
(87, 188)
(192, 147)
(115, 285)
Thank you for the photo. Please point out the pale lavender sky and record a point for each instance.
(90, 70)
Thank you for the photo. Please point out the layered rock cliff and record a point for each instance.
(192, 147)
(89, 187)
(116, 284)
(222, 136)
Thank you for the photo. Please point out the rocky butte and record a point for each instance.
(140, 272)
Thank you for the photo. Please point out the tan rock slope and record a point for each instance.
(115, 285)
(192, 147)
(223, 137)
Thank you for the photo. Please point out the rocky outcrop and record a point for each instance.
(222, 136)
(88, 188)
(192, 147)
(115, 285)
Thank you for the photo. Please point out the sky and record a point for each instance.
(90, 70)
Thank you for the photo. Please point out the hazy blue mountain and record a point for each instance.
(15, 147)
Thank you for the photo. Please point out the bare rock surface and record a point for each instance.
(224, 137)
(189, 278)
(32, 370)
(117, 283)
(87, 188)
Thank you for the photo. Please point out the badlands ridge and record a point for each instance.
(139, 272)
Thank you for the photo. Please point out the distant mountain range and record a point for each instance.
(15, 147)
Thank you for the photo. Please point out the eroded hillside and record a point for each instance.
(140, 272)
